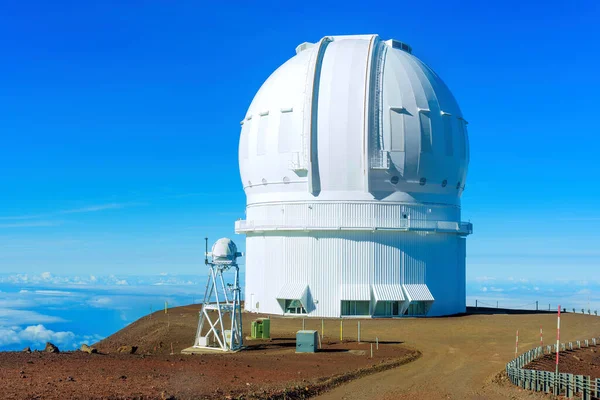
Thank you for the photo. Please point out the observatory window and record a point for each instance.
(355, 308)
(447, 118)
(261, 138)
(389, 308)
(294, 306)
(425, 131)
(418, 308)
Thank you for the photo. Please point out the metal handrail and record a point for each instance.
(359, 224)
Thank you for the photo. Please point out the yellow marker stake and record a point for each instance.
(322, 328)
(166, 305)
(341, 330)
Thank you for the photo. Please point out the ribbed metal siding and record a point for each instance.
(327, 260)
(292, 290)
(356, 292)
(418, 292)
(350, 214)
(388, 293)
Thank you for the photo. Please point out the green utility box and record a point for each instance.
(261, 329)
(307, 341)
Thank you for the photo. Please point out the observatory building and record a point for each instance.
(353, 157)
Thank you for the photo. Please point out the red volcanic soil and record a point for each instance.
(266, 369)
(584, 361)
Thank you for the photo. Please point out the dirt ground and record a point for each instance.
(461, 359)
(584, 361)
(266, 368)
(263, 370)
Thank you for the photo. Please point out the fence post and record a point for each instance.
(597, 387)
(570, 384)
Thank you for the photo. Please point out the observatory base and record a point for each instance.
(355, 273)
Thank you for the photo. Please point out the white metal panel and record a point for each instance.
(418, 292)
(292, 290)
(356, 292)
(388, 293)
(323, 259)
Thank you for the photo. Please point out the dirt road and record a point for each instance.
(460, 355)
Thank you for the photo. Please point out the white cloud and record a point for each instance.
(22, 317)
(484, 279)
(121, 282)
(484, 289)
(33, 335)
(100, 302)
(54, 293)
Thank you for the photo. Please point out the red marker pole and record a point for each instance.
(557, 351)
(517, 345)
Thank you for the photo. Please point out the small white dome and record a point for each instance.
(354, 118)
(224, 251)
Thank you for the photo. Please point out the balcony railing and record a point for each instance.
(463, 228)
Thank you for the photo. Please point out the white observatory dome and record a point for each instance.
(224, 251)
(354, 135)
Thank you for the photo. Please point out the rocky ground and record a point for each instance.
(461, 358)
(143, 361)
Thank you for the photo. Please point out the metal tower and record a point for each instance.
(221, 302)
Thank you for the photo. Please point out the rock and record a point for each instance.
(50, 348)
(127, 349)
(165, 396)
(70, 379)
(88, 349)
(27, 349)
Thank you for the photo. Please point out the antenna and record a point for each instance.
(205, 251)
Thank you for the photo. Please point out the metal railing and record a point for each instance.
(362, 224)
(568, 385)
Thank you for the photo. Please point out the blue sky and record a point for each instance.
(120, 125)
